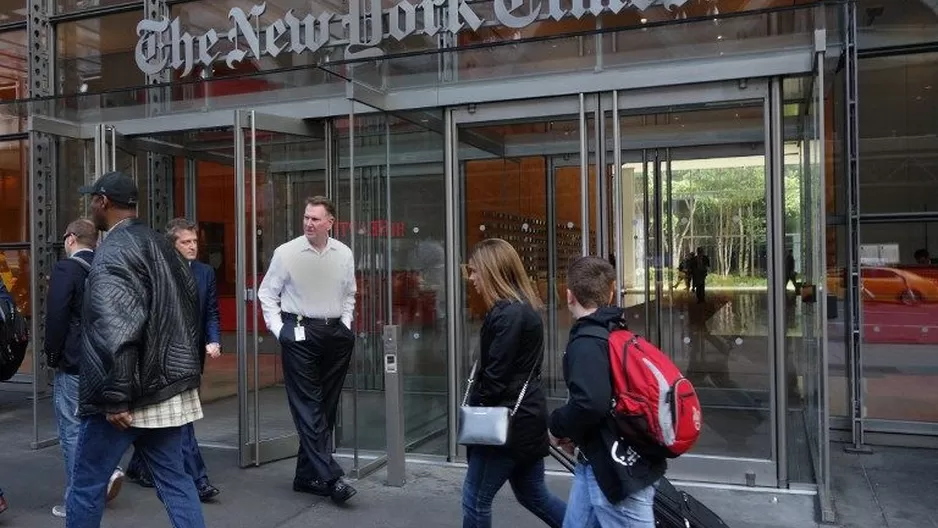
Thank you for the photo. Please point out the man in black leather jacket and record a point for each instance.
(613, 485)
(140, 370)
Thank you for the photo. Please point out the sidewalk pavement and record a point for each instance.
(263, 497)
(892, 488)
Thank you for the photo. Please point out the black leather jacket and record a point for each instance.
(140, 329)
(511, 346)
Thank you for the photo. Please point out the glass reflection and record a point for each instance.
(14, 192)
(899, 277)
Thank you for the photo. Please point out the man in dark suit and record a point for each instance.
(185, 237)
(63, 342)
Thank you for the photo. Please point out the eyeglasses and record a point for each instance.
(64, 238)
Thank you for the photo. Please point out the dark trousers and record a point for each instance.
(193, 461)
(700, 288)
(489, 469)
(314, 371)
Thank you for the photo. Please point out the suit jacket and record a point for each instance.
(208, 304)
(5, 296)
(63, 313)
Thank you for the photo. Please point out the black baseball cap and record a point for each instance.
(116, 186)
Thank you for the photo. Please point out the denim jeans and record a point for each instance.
(489, 469)
(589, 508)
(65, 400)
(194, 463)
(99, 449)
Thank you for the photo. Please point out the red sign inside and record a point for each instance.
(375, 228)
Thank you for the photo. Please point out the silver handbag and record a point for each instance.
(485, 425)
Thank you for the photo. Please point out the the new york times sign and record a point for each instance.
(165, 44)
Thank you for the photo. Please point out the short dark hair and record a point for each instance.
(323, 201)
(86, 234)
(179, 224)
(591, 280)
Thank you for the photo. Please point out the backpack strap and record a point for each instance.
(81, 261)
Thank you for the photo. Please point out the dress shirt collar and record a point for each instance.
(330, 246)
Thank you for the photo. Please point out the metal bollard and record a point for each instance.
(393, 406)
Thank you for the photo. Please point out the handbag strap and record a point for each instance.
(524, 388)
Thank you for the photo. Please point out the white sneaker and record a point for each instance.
(114, 485)
(59, 511)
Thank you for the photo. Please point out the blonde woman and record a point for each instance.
(511, 352)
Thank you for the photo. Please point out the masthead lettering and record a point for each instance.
(163, 44)
(504, 14)
(242, 26)
(149, 50)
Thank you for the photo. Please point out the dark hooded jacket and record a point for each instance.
(511, 347)
(140, 325)
(586, 419)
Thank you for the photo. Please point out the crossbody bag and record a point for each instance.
(486, 425)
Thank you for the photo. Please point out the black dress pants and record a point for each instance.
(314, 371)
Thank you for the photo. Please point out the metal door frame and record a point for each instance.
(259, 451)
(720, 469)
(657, 166)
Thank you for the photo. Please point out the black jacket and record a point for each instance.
(140, 330)
(585, 417)
(512, 344)
(63, 312)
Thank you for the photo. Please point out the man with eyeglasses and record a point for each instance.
(63, 343)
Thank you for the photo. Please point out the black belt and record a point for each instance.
(302, 319)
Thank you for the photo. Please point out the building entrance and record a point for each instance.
(674, 187)
(641, 177)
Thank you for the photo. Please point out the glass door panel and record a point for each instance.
(528, 191)
(804, 272)
(264, 146)
(694, 216)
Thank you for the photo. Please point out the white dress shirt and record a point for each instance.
(305, 281)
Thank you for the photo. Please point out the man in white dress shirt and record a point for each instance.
(308, 298)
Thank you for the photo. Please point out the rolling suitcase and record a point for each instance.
(673, 508)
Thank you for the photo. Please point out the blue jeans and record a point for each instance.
(489, 469)
(65, 400)
(589, 508)
(100, 447)
(195, 464)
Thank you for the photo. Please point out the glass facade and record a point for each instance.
(631, 135)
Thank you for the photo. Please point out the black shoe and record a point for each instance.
(207, 492)
(342, 492)
(142, 480)
(315, 487)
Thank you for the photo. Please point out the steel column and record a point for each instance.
(584, 181)
(241, 347)
(192, 189)
(828, 514)
(43, 150)
(553, 347)
(775, 198)
(658, 248)
(618, 208)
(159, 166)
(854, 312)
(602, 208)
(453, 337)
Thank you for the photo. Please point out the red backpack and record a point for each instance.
(654, 406)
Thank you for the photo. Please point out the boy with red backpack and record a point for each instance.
(613, 483)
